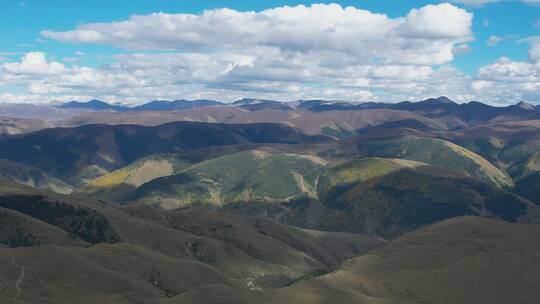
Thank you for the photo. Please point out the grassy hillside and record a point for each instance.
(388, 197)
(31, 176)
(458, 261)
(513, 146)
(139, 251)
(341, 176)
(120, 183)
(255, 175)
(20, 230)
(436, 152)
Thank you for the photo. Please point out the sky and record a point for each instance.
(134, 51)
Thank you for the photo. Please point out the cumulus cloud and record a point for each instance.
(507, 80)
(34, 63)
(534, 53)
(285, 53)
(432, 31)
(437, 21)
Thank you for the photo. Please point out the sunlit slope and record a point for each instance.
(122, 182)
(255, 175)
(436, 152)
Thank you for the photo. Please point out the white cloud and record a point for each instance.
(34, 63)
(534, 53)
(494, 40)
(437, 21)
(283, 53)
(320, 27)
(510, 81)
(480, 85)
(286, 53)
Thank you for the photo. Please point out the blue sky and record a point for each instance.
(22, 24)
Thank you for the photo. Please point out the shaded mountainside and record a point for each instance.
(388, 197)
(461, 260)
(33, 177)
(529, 187)
(138, 252)
(80, 154)
(513, 146)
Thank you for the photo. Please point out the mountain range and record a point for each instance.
(264, 201)
(432, 107)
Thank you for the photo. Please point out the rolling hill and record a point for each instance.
(378, 196)
(461, 260)
(135, 250)
(78, 155)
(120, 183)
(255, 175)
(33, 177)
(436, 152)
(261, 201)
(513, 146)
(388, 197)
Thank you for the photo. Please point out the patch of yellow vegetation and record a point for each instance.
(496, 175)
(150, 170)
(366, 169)
(260, 154)
(173, 203)
(133, 175)
(109, 180)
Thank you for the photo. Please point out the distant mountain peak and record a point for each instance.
(441, 99)
(94, 104)
(165, 105)
(525, 106)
